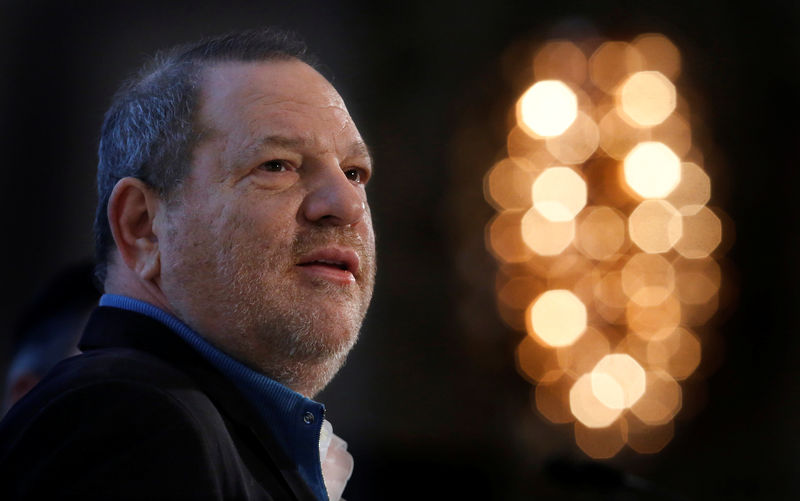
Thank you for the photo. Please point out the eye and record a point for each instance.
(275, 166)
(356, 175)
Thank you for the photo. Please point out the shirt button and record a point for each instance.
(308, 418)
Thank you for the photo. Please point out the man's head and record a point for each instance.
(248, 216)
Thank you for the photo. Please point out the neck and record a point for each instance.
(124, 282)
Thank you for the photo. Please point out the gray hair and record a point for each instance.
(149, 131)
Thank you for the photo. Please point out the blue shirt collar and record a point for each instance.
(295, 420)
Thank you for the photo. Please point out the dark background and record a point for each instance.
(429, 401)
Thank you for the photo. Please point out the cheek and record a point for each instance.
(368, 233)
(262, 224)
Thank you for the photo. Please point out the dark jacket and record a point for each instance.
(140, 415)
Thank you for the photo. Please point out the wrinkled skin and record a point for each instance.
(278, 181)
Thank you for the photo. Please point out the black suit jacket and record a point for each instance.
(140, 415)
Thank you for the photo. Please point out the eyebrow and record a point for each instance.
(356, 149)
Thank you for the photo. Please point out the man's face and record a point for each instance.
(267, 248)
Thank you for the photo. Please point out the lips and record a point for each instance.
(335, 264)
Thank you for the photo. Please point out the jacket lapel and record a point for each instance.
(110, 327)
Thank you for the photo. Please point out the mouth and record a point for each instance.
(334, 264)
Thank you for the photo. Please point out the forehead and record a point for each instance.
(288, 96)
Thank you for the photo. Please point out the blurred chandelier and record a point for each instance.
(607, 250)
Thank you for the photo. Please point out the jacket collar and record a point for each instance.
(110, 327)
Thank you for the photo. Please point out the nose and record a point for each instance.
(333, 199)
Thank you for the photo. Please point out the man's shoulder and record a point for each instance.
(116, 365)
(107, 389)
(135, 415)
(111, 411)
(116, 372)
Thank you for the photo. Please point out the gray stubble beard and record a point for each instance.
(293, 345)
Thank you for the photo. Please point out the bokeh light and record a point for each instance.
(601, 233)
(587, 408)
(536, 362)
(659, 54)
(611, 63)
(582, 356)
(507, 185)
(559, 194)
(661, 400)
(654, 321)
(648, 439)
(648, 279)
(602, 443)
(577, 143)
(557, 317)
(701, 233)
(611, 300)
(548, 108)
(618, 381)
(560, 60)
(606, 245)
(675, 133)
(617, 136)
(655, 226)
(647, 98)
(504, 238)
(694, 187)
(552, 399)
(546, 237)
(679, 354)
(698, 280)
(652, 170)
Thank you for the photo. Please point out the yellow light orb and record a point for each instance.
(659, 54)
(507, 185)
(581, 357)
(617, 136)
(618, 381)
(655, 226)
(648, 439)
(610, 300)
(611, 63)
(661, 401)
(559, 194)
(675, 132)
(577, 143)
(557, 317)
(552, 399)
(654, 322)
(560, 60)
(702, 232)
(647, 98)
(548, 108)
(648, 279)
(535, 362)
(694, 187)
(504, 239)
(602, 443)
(698, 280)
(652, 170)
(587, 408)
(545, 237)
(678, 354)
(601, 233)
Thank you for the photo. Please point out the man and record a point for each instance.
(49, 329)
(236, 249)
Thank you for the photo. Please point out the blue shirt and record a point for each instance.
(295, 420)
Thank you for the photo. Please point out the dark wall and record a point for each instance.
(430, 396)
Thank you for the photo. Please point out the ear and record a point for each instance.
(132, 210)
